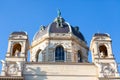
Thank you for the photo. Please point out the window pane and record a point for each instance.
(79, 56)
(59, 54)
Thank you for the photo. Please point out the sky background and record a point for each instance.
(92, 16)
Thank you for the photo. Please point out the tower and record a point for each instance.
(18, 45)
(102, 56)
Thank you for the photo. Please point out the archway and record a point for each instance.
(16, 49)
(39, 56)
(103, 51)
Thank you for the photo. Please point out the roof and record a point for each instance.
(55, 29)
(77, 33)
(40, 33)
(19, 33)
(101, 34)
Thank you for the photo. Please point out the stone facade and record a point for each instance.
(59, 52)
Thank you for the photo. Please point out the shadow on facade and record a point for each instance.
(36, 73)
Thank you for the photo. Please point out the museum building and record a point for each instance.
(59, 51)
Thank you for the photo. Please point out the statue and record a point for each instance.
(102, 54)
(17, 53)
(59, 13)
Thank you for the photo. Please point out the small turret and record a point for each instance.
(18, 46)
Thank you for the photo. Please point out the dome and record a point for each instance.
(59, 26)
(41, 32)
(77, 33)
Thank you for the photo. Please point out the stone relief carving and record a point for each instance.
(19, 65)
(12, 69)
(106, 69)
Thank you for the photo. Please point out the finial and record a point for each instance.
(59, 13)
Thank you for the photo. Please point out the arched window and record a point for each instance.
(103, 51)
(39, 56)
(79, 56)
(59, 54)
(16, 49)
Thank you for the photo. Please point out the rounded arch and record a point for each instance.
(38, 55)
(59, 44)
(79, 56)
(16, 49)
(59, 54)
(103, 50)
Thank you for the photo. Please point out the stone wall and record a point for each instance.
(60, 71)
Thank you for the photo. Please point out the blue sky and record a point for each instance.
(90, 15)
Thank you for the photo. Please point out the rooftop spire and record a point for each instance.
(59, 13)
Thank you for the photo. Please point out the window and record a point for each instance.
(59, 54)
(16, 49)
(103, 51)
(79, 56)
(39, 56)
